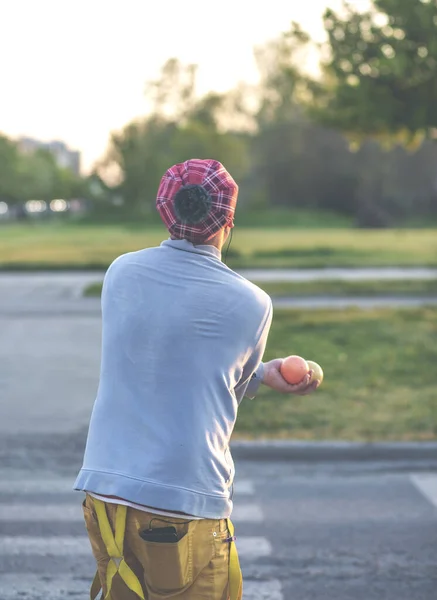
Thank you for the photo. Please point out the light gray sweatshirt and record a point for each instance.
(182, 337)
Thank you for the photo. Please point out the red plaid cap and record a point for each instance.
(217, 183)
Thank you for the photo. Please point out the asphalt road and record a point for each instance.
(306, 531)
(61, 294)
(70, 283)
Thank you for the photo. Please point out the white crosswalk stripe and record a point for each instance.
(262, 590)
(51, 503)
(251, 513)
(426, 483)
(248, 547)
(41, 512)
(36, 486)
(245, 486)
(247, 513)
(45, 546)
(253, 547)
(64, 485)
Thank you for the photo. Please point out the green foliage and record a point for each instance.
(282, 82)
(301, 163)
(140, 151)
(382, 70)
(303, 166)
(378, 87)
(178, 129)
(34, 176)
(9, 179)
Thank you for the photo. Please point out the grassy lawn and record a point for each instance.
(331, 288)
(92, 246)
(380, 377)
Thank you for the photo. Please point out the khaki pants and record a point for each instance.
(195, 568)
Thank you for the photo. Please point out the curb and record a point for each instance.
(92, 306)
(295, 451)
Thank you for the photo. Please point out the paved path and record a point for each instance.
(359, 274)
(25, 287)
(91, 306)
(70, 284)
(59, 294)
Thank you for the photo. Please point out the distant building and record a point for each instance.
(66, 158)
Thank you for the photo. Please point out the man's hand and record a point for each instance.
(274, 380)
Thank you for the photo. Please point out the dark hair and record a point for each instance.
(192, 204)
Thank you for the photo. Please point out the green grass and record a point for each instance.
(380, 377)
(93, 289)
(331, 288)
(350, 288)
(92, 246)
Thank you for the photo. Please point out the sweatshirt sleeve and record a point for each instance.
(254, 369)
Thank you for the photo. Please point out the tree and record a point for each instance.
(37, 175)
(173, 94)
(34, 176)
(141, 152)
(282, 83)
(379, 74)
(304, 162)
(180, 127)
(297, 163)
(381, 70)
(8, 170)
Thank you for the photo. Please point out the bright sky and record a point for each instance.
(76, 70)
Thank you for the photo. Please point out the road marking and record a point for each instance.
(73, 512)
(262, 590)
(64, 485)
(45, 546)
(41, 512)
(37, 486)
(248, 547)
(247, 513)
(35, 587)
(244, 487)
(426, 483)
(253, 547)
(334, 273)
